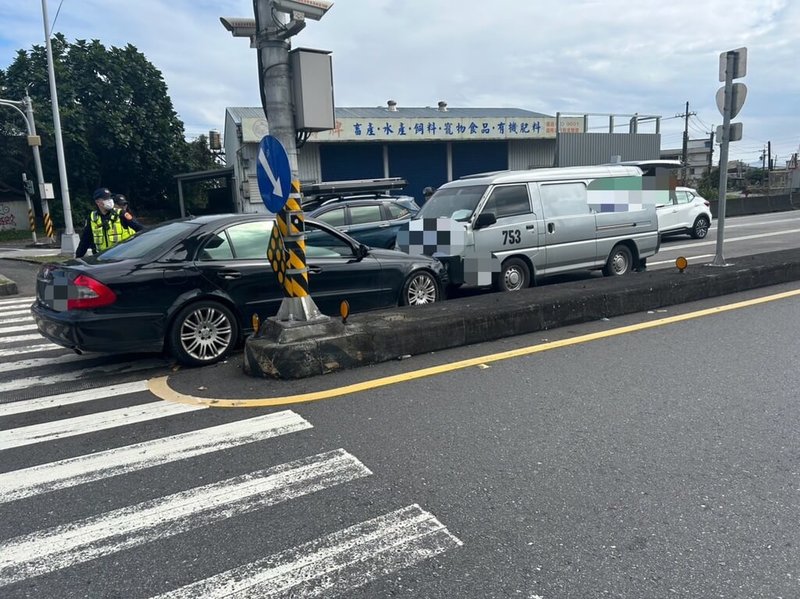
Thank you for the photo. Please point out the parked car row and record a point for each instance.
(192, 286)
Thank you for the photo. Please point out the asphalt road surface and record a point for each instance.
(656, 463)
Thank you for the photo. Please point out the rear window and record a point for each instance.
(146, 242)
(397, 211)
(360, 215)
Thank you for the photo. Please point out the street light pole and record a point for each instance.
(33, 142)
(37, 161)
(69, 240)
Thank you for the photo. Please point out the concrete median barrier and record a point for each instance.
(390, 334)
(7, 287)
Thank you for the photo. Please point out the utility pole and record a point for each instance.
(685, 154)
(769, 156)
(710, 151)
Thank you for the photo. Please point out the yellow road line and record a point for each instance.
(160, 387)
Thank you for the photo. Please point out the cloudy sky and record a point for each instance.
(588, 56)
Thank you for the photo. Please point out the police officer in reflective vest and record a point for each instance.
(106, 226)
(121, 204)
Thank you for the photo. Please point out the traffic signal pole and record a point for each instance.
(272, 42)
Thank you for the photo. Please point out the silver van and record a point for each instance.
(507, 228)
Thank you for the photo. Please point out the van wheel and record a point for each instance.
(514, 275)
(700, 228)
(619, 261)
(203, 333)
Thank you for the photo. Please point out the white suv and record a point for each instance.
(688, 213)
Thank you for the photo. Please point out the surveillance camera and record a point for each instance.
(312, 9)
(239, 26)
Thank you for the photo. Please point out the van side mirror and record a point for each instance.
(484, 219)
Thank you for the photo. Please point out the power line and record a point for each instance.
(52, 27)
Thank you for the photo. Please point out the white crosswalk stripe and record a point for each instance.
(69, 427)
(88, 373)
(333, 563)
(17, 301)
(31, 349)
(343, 560)
(64, 546)
(44, 362)
(65, 399)
(17, 338)
(87, 468)
(17, 328)
(14, 315)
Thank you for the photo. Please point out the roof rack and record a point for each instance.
(354, 185)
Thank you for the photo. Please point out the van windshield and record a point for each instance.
(457, 203)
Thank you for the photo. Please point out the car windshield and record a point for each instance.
(145, 242)
(457, 203)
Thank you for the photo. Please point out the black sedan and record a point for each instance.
(192, 286)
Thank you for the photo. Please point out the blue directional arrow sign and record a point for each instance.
(274, 173)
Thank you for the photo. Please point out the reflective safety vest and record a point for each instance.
(107, 232)
(126, 231)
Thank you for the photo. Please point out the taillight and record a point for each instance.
(89, 293)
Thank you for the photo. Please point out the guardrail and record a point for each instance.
(758, 204)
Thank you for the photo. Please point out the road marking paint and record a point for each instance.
(17, 329)
(86, 373)
(65, 399)
(669, 248)
(113, 462)
(7, 314)
(37, 336)
(44, 362)
(160, 386)
(688, 258)
(80, 425)
(30, 349)
(17, 301)
(335, 563)
(64, 546)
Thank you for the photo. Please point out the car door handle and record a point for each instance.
(229, 274)
(551, 227)
(383, 225)
(529, 227)
(314, 270)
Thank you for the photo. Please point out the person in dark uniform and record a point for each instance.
(121, 204)
(106, 225)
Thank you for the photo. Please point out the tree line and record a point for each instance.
(119, 128)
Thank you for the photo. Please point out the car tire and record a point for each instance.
(203, 333)
(620, 261)
(420, 288)
(514, 275)
(700, 228)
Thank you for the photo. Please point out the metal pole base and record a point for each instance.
(69, 243)
(299, 310)
(719, 261)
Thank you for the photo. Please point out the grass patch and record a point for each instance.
(16, 235)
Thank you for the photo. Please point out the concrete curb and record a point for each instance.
(7, 287)
(386, 335)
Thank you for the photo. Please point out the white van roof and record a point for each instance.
(548, 174)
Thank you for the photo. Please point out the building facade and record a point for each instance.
(699, 155)
(428, 146)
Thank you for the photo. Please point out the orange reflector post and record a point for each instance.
(681, 263)
(256, 322)
(344, 310)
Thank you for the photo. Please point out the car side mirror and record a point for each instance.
(484, 219)
(362, 251)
